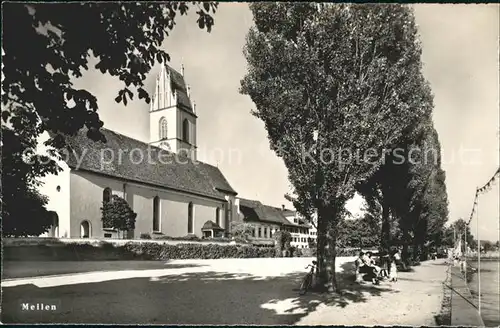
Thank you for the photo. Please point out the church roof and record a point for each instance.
(158, 167)
(179, 85)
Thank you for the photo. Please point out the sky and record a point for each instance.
(460, 55)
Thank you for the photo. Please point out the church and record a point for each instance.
(172, 193)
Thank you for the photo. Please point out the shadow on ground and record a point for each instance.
(189, 298)
(24, 269)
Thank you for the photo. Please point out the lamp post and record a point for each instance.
(478, 260)
(465, 253)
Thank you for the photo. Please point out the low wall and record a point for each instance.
(48, 241)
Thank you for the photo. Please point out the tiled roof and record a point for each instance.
(254, 210)
(286, 211)
(159, 167)
(179, 85)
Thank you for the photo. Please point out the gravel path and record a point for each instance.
(224, 291)
(414, 300)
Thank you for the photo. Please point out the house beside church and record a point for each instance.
(266, 220)
(172, 193)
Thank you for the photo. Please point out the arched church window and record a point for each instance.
(156, 213)
(190, 218)
(185, 130)
(85, 229)
(106, 195)
(163, 128)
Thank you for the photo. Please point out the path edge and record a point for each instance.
(443, 318)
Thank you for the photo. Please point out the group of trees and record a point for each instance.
(455, 231)
(361, 232)
(341, 92)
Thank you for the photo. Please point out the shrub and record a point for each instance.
(117, 214)
(192, 238)
(343, 252)
(145, 236)
(313, 246)
(298, 252)
(241, 230)
(307, 252)
(283, 239)
(161, 252)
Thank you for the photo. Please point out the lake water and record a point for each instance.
(490, 291)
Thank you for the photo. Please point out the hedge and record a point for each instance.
(132, 251)
(184, 238)
(136, 250)
(197, 251)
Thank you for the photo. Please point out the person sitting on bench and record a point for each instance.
(359, 263)
(368, 269)
(385, 264)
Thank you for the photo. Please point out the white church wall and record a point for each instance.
(58, 198)
(57, 189)
(86, 201)
(173, 210)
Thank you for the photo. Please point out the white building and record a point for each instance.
(299, 228)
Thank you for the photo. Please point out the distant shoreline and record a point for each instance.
(474, 258)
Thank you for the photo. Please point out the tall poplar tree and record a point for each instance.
(336, 85)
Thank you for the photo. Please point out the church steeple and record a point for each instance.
(163, 96)
(172, 116)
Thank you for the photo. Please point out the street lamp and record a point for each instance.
(478, 258)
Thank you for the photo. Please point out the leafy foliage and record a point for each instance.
(283, 239)
(58, 41)
(241, 231)
(455, 231)
(361, 233)
(23, 207)
(410, 188)
(335, 85)
(117, 214)
(125, 38)
(487, 245)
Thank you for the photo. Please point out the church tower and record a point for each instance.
(172, 117)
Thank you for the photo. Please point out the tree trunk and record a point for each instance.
(385, 236)
(416, 249)
(326, 249)
(321, 252)
(405, 246)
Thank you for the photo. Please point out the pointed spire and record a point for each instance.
(194, 107)
(188, 87)
(182, 66)
(162, 94)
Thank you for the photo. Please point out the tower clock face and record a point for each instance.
(164, 145)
